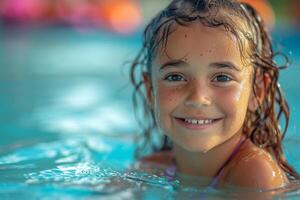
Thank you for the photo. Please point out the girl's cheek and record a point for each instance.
(166, 95)
(226, 97)
(234, 97)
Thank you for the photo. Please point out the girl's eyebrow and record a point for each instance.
(181, 63)
(173, 63)
(225, 64)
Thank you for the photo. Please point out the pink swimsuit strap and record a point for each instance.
(171, 170)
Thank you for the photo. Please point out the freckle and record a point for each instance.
(185, 35)
(200, 54)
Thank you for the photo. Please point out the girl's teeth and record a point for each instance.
(195, 121)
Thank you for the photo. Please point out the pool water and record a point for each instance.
(67, 127)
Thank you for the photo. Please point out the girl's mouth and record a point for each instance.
(197, 124)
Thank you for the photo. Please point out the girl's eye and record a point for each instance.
(222, 78)
(174, 77)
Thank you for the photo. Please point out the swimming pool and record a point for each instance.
(67, 125)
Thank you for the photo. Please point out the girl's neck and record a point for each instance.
(205, 164)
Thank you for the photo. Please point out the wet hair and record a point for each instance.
(262, 126)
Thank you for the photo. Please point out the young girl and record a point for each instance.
(211, 86)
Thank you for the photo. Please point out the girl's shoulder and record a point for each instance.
(256, 168)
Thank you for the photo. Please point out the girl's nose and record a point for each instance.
(198, 97)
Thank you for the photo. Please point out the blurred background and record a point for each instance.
(65, 94)
(63, 65)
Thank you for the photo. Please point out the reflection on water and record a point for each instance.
(69, 105)
(96, 167)
(87, 106)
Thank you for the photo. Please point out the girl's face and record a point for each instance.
(199, 89)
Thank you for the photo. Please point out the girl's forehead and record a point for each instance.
(197, 41)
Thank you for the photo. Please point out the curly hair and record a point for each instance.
(262, 126)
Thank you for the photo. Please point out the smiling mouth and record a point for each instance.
(191, 123)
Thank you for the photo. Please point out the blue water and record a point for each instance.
(67, 126)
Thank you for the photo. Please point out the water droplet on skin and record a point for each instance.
(238, 94)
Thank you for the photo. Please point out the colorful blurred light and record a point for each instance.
(23, 9)
(124, 16)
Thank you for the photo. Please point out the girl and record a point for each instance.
(211, 86)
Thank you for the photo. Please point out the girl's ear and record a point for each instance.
(262, 83)
(148, 87)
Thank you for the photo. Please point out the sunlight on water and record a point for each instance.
(98, 167)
